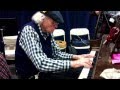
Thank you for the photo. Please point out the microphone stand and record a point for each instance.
(2, 48)
(97, 27)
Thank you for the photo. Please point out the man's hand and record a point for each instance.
(86, 62)
(85, 56)
(75, 57)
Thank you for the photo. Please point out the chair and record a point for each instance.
(59, 36)
(10, 44)
(80, 39)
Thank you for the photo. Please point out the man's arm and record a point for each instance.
(58, 53)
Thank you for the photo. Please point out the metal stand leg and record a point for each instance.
(106, 20)
(96, 27)
(98, 21)
(2, 43)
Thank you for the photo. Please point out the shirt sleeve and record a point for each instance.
(58, 53)
(30, 42)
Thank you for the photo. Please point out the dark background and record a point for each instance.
(73, 19)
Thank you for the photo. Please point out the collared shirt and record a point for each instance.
(30, 42)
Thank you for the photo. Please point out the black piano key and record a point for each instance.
(90, 74)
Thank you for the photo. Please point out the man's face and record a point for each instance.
(49, 25)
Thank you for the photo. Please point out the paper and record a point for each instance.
(111, 73)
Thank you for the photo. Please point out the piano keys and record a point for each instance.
(87, 73)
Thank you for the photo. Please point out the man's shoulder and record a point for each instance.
(28, 24)
(29, 28)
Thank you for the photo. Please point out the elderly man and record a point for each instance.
(37, 51)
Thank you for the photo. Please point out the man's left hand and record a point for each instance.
(75, 57)
(85, 56)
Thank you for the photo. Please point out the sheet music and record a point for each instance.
(85, 71)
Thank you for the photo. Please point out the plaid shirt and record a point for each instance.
(30, 42)
(4, 69)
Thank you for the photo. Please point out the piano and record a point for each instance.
(88, 73)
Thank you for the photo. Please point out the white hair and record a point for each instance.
(38, 17)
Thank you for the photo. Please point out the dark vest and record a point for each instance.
(25, 68)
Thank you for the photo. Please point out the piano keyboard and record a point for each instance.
(85, 71)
